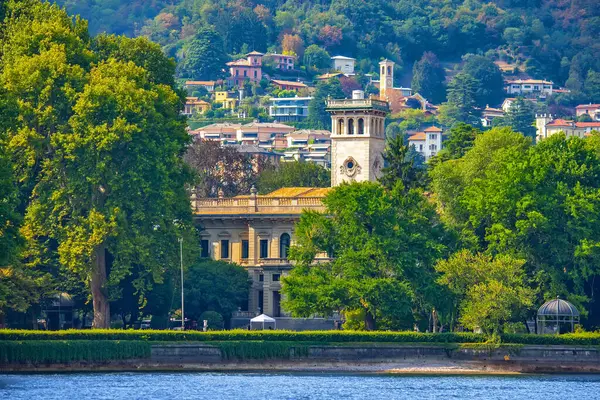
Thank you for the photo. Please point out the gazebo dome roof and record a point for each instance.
(558, 307)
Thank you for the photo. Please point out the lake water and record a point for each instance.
(250, 386)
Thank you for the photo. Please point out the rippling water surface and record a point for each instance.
(250, 386)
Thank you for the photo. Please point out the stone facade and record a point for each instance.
(357, 139)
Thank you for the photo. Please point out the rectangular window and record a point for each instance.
(276, 277)
(245, 72)
(224, 248)
(264, 248)
(245, 249)
(261, 301)
(204, 246)
(255, 74)
(261, 278)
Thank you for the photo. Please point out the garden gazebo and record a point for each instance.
(557, 316)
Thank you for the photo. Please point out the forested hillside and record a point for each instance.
(549, 39)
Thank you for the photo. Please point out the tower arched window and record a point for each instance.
(351, 126)
(340, 126)
(284, 245)
(361, 126)
(389, 70)
(382, 70)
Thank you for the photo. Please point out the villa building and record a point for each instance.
(258, 133)
(282, 61)
(343, 64)
(192, 86)
(245, 68)
(593, 110)
(547, 126)
(256, 231)
(529, 86)
(289, 109)
(428, 142)
(228, 100)
(194, 106)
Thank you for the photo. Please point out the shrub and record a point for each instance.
(64, 351)
(215, 320)
(261, 350)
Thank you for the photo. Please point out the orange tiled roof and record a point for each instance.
(433, 129)
(587, 124)
(560, 122)
(588, 106)
(288, 83)
(201, 83)
(299, 192)
(418, 136)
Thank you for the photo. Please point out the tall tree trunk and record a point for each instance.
(98, 289)
(434, 318)
(370, 323)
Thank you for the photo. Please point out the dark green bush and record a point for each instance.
(64, 351)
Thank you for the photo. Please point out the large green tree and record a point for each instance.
(521, 117)
(489, 291)
(429, 78)
(538, 203)
(401, 165)
(96, 150)
(215, 286)
(384, 244)
(204, 56)
(462, 101)
(490, 83)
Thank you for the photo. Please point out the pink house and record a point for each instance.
(246, 68)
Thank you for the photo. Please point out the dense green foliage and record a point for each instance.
(558, 38)
(67, 351)
(384, 243)
(97, 117)
(592, 339)
(428, 78)
(293, 174)
(215, 286)
(537, 203)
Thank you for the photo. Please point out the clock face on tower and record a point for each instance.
(350, 167)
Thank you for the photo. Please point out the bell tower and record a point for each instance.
(357, 138)
(386, 78)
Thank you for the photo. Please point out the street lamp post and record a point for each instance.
(181, 264)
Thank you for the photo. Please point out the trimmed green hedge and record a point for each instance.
(292, 336)
(63, 351)
(243, 335)
(261, 350)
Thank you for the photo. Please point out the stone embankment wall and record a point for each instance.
(509, 358)
(449, 358)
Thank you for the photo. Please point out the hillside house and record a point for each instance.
(289, 109)
(428, 142)
(194, 106)
(245, 68)
(529, 86)
(282, 61)
(343, 64)
(593, 110)
(547, 126)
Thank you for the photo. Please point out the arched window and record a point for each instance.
(350, 126)
(389, 70)
(284, 245)
(340, 126)
(382, 70)
(361, 126)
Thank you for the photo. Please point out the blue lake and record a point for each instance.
(250, 386)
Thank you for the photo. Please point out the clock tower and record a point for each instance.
(357, 138)
(386, 78)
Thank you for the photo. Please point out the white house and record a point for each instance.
(343, 64)
(529, 86)
(428, 143)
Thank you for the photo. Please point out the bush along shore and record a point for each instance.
(113, 347)
(323, 337)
